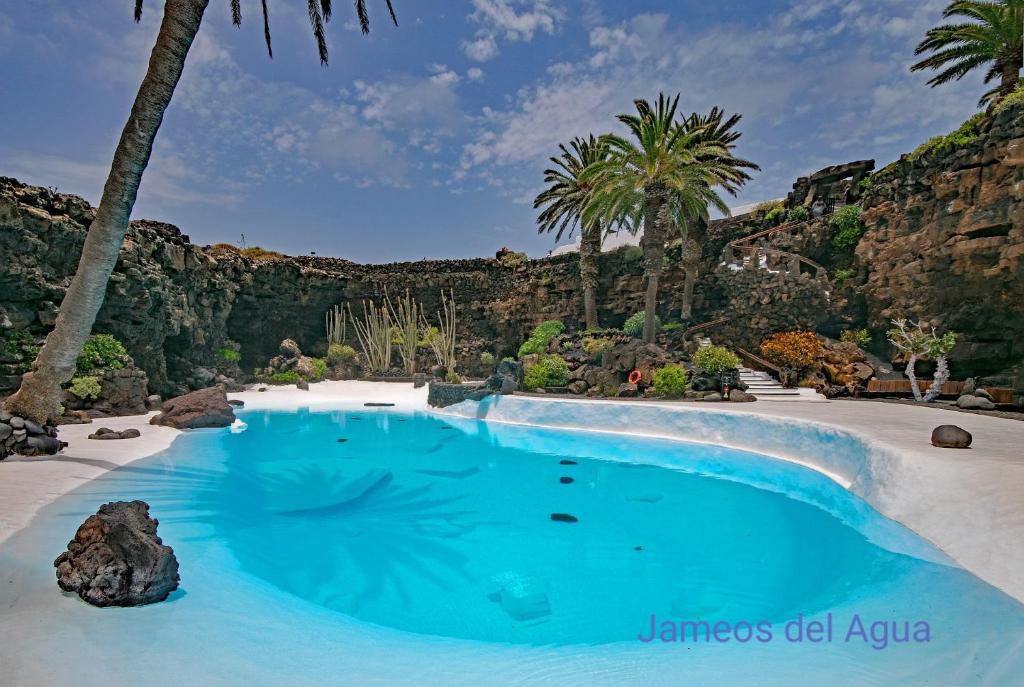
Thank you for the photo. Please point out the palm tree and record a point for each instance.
(993, 36)
(565, 199)
(39, 396)
(664, 179)
(713, 127)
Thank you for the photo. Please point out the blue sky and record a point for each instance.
(430, 139)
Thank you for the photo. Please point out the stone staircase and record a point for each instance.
(762, 385)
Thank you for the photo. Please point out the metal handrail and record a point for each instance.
(705, 325)
(758, 360)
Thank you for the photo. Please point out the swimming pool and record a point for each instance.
(368, 541)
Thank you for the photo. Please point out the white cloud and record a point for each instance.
(510, 20)
(474, 74)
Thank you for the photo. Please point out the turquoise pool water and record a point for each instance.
(564, 541)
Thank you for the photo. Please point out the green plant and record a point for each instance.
(670, 380)
(340, 353)
(102, 352)
(453, 377)
(632, 254)
(550, 370)
(672, 327)
(597, 346)
(508, 359)
(860, 337)
(842, 274)
(715, 359)
(773, 216)
(917, 342)
(20, 346)
(374, 334)
(286, 377)
(793, 350)
(487, 360)
(940, 145)
(229, 354)
(541, 335)
(866, 183)
(798, 214)
(634, 326)
(336, 325)
(512, 259)
(407, 316)
(85, 387)
(442, 342)
(1013, 100)
(763, 208)
(319, 366)
(849, 228)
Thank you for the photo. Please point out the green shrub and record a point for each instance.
(632, 254)
(319, 369)
(102, 352)
(672, 327)
(861, 337)
(340, 353)
(773, 216)
(798, 214)
(542, 333)
(670, 380)
(715, 359)
(85, 387)
(487, 360)
(1015, 98)
(453, 377)
(229, 354)
(286, 377)
(512, 260)
(634, 326)
(841, 275)
(765, 208)
(597, 346)
(940, 145)
(20, 345)
(508, 359)
(550, 370)
(849, 228)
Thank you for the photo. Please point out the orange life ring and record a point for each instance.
(634, 377)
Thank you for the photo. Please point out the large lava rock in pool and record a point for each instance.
(203, 408)
(116, 559)
(951, 436)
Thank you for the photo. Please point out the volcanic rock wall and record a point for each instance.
(944, 245)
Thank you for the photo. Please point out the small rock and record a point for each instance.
(713, 396)
(567, 462)
(262, 388)
(16, 422)
(564, 517)
(203, 408)
(33, 428)
(19, 434)
(737, 396)
(5, 431)
(973, 402)
(577, 387)
(42, 446)
(627, 390)
(951, 436)
(970, 386)
(981, 393)
(153, 402)
(236, 402)
(131, 433)
(117, 559)
(566, 480)
(302, 385)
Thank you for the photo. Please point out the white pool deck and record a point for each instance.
(970, 503)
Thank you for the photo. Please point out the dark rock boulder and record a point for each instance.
(702, 381)
(951, 436)
(117, 559)
(106, 434)
(973, 402)
(738, 396)
(203, 408)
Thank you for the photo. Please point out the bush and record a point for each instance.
(1015, 98)
(774, 216)
(229, 354)
(550, 370)
(632, 254)
(487, 360)
(635, 325)
(287, 377)
(841, 275)
(597, 346)
(798, 214)
(453, 377)
(715, 359)
(512, 260)
(542, 333)
(849, 228)
(86, 388)
(861, 337)
(20, 345)
(672, 327)
(102, 352)
(940, 145)
(793, 350)
(319, 369)
(670, 380)
(765, 208)
(340, 353)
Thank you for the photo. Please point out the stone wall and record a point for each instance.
(944, 245)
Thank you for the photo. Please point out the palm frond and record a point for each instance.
(316, 21)
(236, 12)
(138, 11)
(266, 29)
(364, 17)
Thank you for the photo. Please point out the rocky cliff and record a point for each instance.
(944, 245)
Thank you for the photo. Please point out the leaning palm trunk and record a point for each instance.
(590, 254)
(39, 397)
(1010, 77)
(691, 258)
(653, 244)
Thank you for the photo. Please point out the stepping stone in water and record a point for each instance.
(378, 405)
(355, 417)
(638, 548)
(566, 480)
(446, 427)
(567, 462)
(564, 517)
(342, 440)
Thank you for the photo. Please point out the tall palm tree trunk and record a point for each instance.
(1010, 76)
(590, 254)
(653, 245)
(691, 259)
(40, 394)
